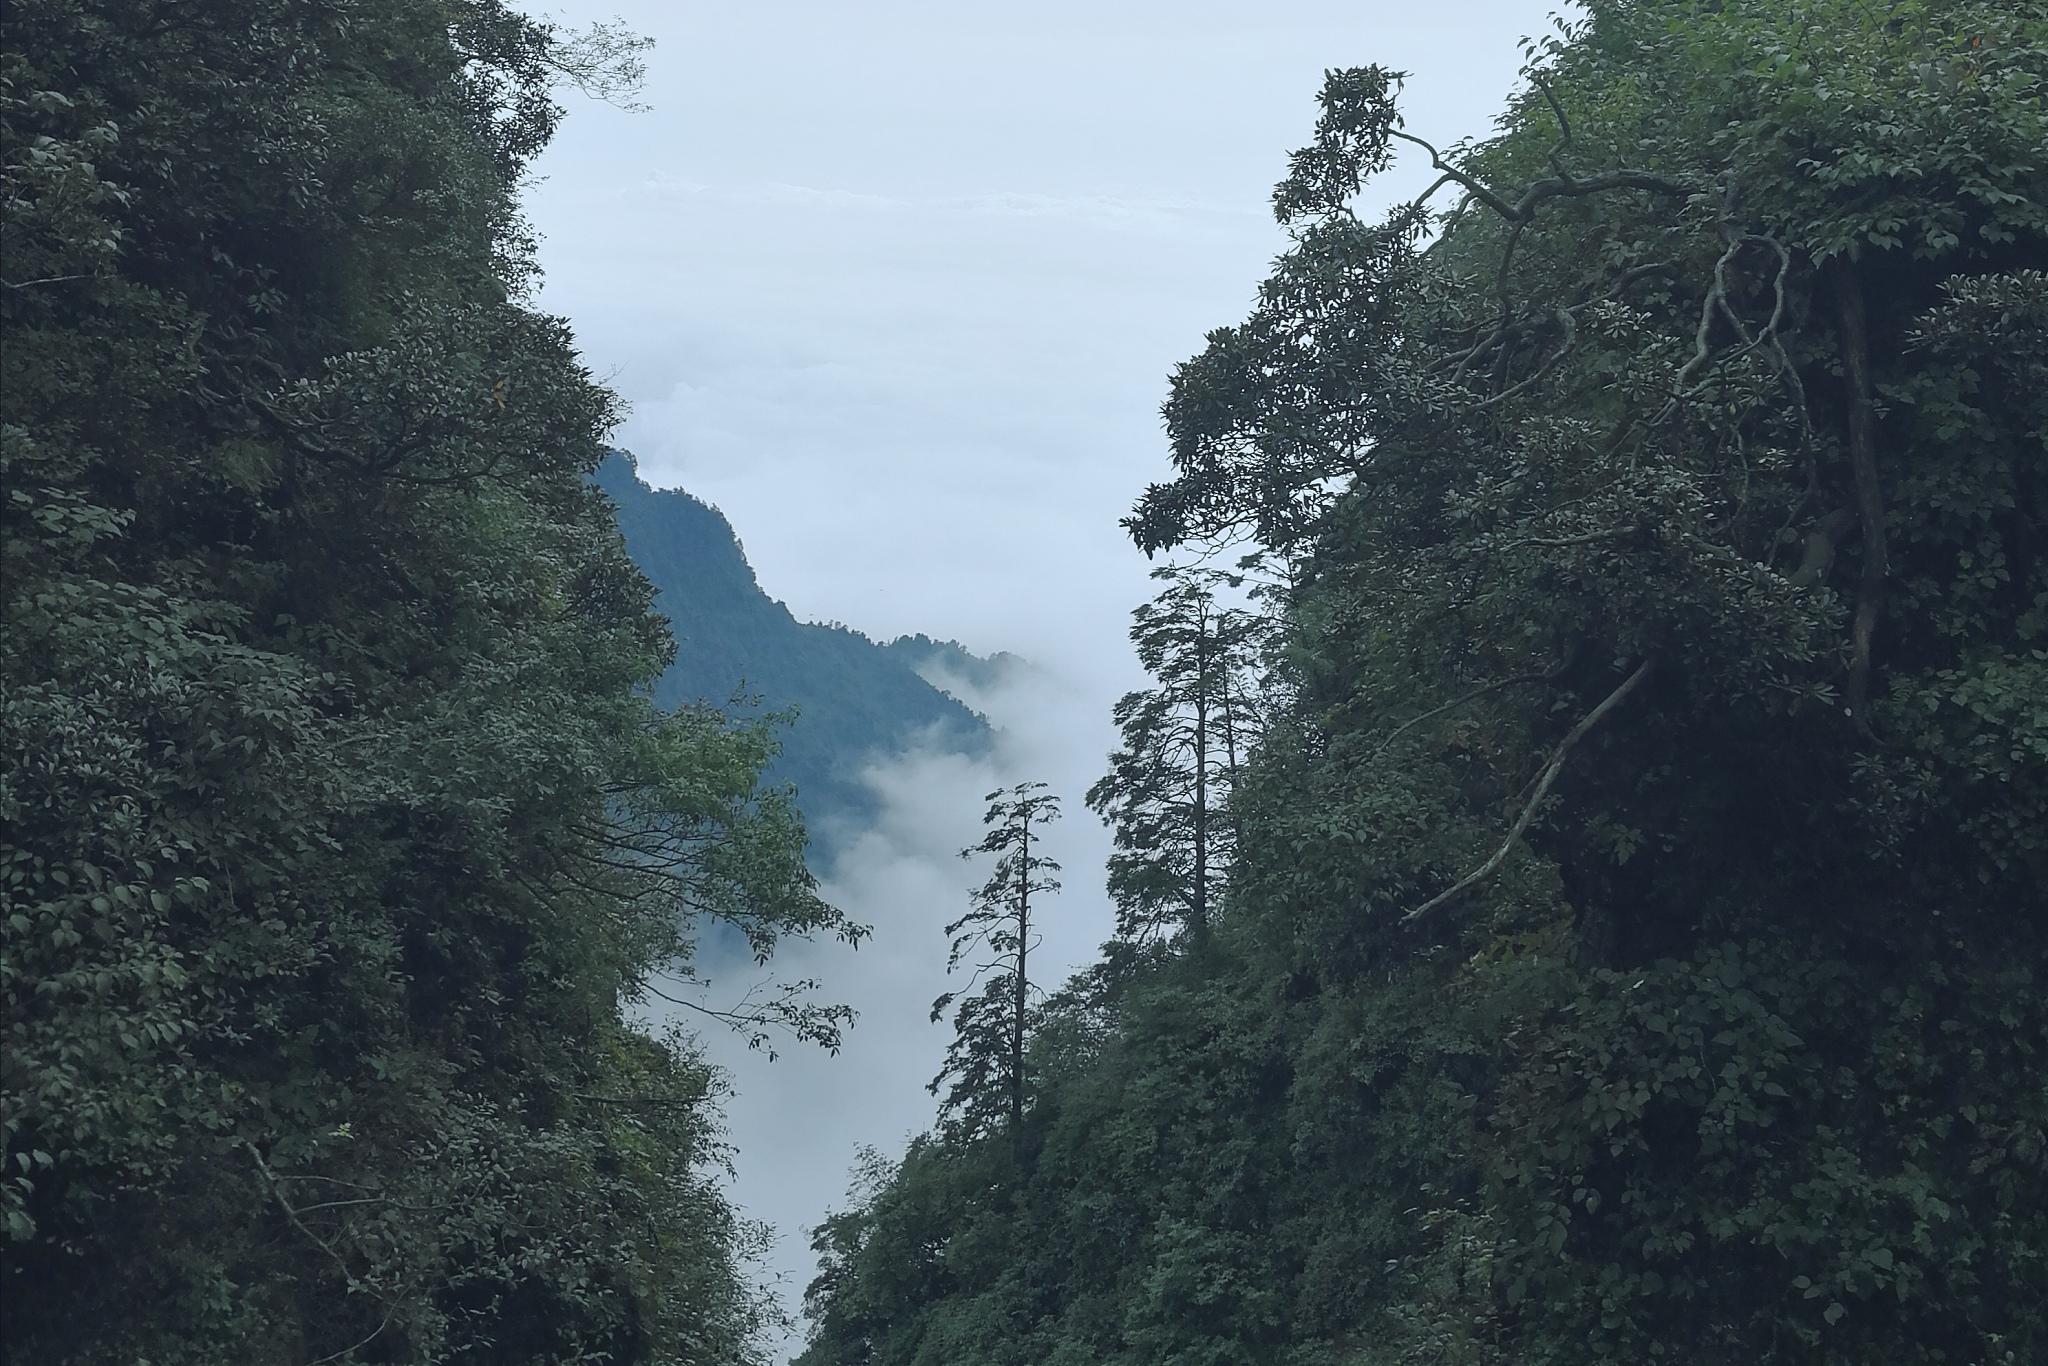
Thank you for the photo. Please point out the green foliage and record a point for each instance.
(1167, 794)
(1635, 932)
(338, 826)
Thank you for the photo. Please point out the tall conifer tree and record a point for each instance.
(985, 1062)
(1167, 792)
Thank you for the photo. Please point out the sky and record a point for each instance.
(898, 286)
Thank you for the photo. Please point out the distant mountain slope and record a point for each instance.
(950, 667)
(855, 699)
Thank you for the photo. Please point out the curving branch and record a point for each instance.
(383, 466)
(1551, 769)
(354, 1347)
(45, 280)
(1562, 185)
(1504, 332)
(1447, 172)
(1519, 214)
(1564, 125)
(1578, 187)
(1712, 305)
(753, 1018)
(1609, 533)
(353, 1282)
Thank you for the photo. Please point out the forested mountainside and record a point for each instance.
(854, 701)
(336, 831)
(1627, 939)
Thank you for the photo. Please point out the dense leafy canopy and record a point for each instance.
(338, 826)
(1635, 940)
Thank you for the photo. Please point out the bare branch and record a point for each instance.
(1716, 301)
(1564, 125)
(46, 280)
(1453, 174)
(1559, 186)
(1713, 303)
(1611, 533)
(292, 1214)
(745, 1016)
(1577, 187)
(1505, 330)
(349, 1279)
(353, 1348)
(1543, 784)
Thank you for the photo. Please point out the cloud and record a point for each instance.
(1149, 213)
(898, 286)
(797, 1123)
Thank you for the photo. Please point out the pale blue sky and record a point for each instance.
(898, 285)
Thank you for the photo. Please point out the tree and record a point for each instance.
(984, 1072)
(1672, 514)
(337, 826)
(1167, 793)
(1636, 922)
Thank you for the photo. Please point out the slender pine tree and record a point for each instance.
(1167, 792)
(984, 1073)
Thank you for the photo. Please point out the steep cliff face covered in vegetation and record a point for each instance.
(1634, 942)
(854, 702)
(336, 826)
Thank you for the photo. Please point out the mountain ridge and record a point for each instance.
(855, 699)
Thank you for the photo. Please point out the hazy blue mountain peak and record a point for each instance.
(857, 701)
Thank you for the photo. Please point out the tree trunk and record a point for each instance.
(1198, 908)
(1855, 332)
(1230, 750)
(1018, 1003)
